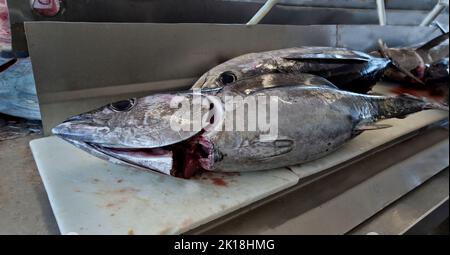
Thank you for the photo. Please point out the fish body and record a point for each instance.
(347, 69)
(310, 122)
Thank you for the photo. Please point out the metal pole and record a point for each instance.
(262, 12)
(381, 12)
(438, 25)
(437, 9)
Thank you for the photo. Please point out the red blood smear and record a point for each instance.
(189, 155)
(219, 182)
(417, 93)
(185, 160)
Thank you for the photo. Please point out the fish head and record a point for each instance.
(235, 69)
(144, 132)
(218, 77)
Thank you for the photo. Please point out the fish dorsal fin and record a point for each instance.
(276, 80)
(362, 126)
(327, 54)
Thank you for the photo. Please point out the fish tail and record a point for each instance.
(426, 103)
(403, 105)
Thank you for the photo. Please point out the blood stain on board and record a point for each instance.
(416, 92)
(219, 182)
(186, 223)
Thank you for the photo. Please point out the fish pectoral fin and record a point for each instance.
(262, 150)
(370, 126)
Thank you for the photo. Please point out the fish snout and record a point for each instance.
(76, 127)
(61, 129)
(81, 117)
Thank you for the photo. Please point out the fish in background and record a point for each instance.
(437, 79)
(410, 64)
(312, 121)
(349, 70)
(437, 73)
(18, 96)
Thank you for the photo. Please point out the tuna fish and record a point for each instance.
(295, 124)
(348, 69)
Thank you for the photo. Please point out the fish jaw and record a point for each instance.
(158, 160)
(183, 159)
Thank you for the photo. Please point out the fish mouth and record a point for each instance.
(183, 159)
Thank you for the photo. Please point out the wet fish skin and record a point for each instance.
(313, 121)
(347, 69)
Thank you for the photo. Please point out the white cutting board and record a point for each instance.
(92, 196)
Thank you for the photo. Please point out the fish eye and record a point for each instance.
(122, 106)
(227, 77)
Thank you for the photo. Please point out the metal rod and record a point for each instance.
(262, 12)
(381, 12)
(437, 9)
(438, 25)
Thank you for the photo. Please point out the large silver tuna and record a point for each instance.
(348, 69)
(310, 122)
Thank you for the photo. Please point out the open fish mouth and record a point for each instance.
(183, 159)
